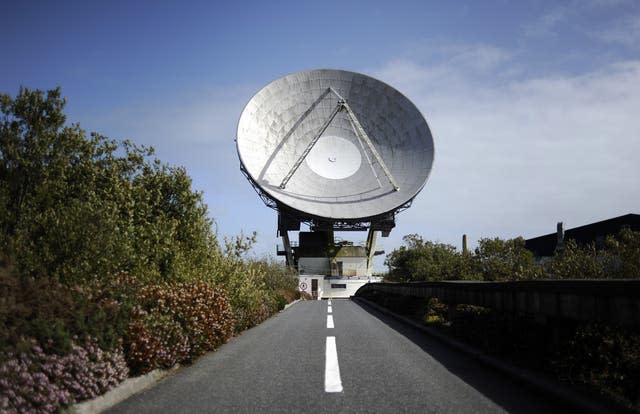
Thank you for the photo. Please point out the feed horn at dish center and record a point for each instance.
(334, 149)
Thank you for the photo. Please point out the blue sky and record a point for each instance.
(533, 104)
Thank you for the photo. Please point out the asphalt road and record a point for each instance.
(384, 366)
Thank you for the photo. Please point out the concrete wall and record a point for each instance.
(331, 288)
(351, 266)
(607, 301)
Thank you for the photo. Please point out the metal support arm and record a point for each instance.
(315, 139)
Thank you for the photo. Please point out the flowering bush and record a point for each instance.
(88, 371)
(175, 323)
(252, 309)
(34, 381)
(52, 314)
(154, 341)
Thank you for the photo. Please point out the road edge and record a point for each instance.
(124, 390)
(132, 386)
(557, 390)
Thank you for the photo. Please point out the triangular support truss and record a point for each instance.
(357, 128)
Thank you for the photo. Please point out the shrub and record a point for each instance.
(35, 381)
(436, 312)
(577, 262)
(618, 258)
(501, 260)
(420, 260)
(74, 206)
(285, 296)
(175, 323)
(25, 388)
(87, 371)
(53, 314)
(154, 341)
(606, 357)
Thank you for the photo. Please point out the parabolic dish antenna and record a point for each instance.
(335, 145)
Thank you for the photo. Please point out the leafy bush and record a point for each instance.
(53, 314)
(35, 381)
(72, 206)
(420, 260)
(606, 357)
(577, 262)
(175, 323)
(25, 388)
(250, 284)
(501, 260)
(619, 258)
(436, 312)
(625, 251)
(155, 341)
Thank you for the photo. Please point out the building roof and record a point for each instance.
(594, 232)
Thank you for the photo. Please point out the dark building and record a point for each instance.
(591, 233)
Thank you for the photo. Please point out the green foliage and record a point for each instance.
(202, 311)
(577, 262)
(33, 380)
(73, 207)
(100, 240)
(624, 251)
(53, 314)
(418, 260)
(154, 341)
(606, 357)
(508, 260)
(252, 285)
(436, 312)
(501, 260)
(618, 259)
(174, 323)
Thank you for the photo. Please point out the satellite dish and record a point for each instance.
(334, 145)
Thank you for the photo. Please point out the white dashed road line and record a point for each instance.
(329, 322)
(329, 310)
(332, 381)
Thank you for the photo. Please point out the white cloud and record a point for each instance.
(624, 31)
(547, 24)
(609, 21)
(517, 155)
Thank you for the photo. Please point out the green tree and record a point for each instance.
(500, 260)
(624, 254)
(420, 260)
(75, 207)
(619, 258)
(577, 262)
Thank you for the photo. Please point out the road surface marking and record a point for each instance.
(329, 302)
(329, 321)
(332, 381)
(329, 310)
